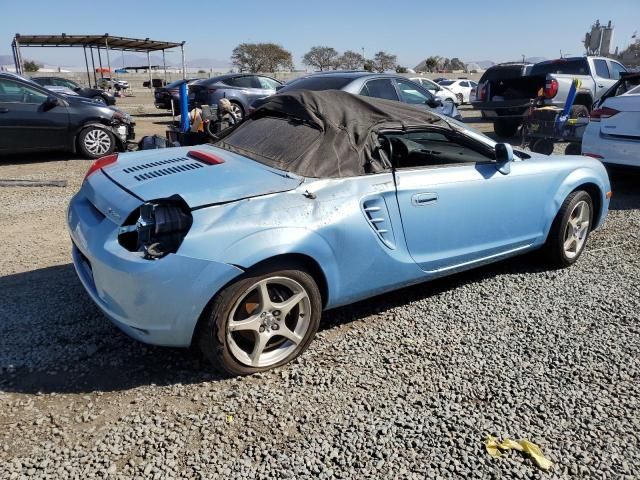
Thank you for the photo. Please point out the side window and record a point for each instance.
(433, 149)
(616, 70)
(365, 91)
(380, 88)
(464, 84)
(14, 92)
(602, 70)
(241, 82)
(409, 93)
(267, 83)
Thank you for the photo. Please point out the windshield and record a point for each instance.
(319, 82)
(573, 66)
(446, 83)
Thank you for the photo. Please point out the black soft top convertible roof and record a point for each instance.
(323, 133)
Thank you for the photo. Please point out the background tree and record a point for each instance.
(322, 58)
(31, 66)
(431, 63)
(457, 64)
(401, 69)
(369, 65)
(261, 57)
(384, 61)
(351, 60)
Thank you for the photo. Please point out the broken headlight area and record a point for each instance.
(157, 228)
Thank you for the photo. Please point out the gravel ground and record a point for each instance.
(405, 385)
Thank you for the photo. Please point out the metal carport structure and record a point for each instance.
(106, 42)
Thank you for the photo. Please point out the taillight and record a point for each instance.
(551, 88)
(604, 112)
(101, 163)
(211, 90)
(593, 155)
(482, 92)
(173, 91)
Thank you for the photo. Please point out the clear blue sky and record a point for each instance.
(497, 30)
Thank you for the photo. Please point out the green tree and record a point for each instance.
(400, 69)
(457, 64)
(384, 61)
(31, 66)
(431, 63)
(369, 65)
(322, 58)
(261, 57)
(351, 60)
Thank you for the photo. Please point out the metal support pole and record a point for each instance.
(86, 62)
(164, 64)
(15, 56)
(100, 62)
(149, 64)
(93, 64)
(184, 72)
(19, 55)
(106, 44)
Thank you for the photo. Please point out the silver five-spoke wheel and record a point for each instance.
(577, 228)
(268, 322)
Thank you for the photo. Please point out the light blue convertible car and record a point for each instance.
(318, 200)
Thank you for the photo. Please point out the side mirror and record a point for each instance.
(50, 102)
(434, 102)
(279, 87)
(504, 157)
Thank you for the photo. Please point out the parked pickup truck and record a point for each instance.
(506, 101)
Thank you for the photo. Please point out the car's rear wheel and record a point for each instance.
(95, 142)
(570, 229)
(543, 146)
(460, 98)
(237, 110)
(261, 321)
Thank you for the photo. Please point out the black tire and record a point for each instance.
(238, 110)
(579, 111)
(543, 146)
(213, 336)
(460, 98)
(573, 149)
(554, 247)
(506, 128)
(87, 142)
(99, 98)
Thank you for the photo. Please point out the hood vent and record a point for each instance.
(161, 168)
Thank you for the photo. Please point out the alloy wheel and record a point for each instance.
(575, 233)
(237, 110)
(97, 142)
(268, 322)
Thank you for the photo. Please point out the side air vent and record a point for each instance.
(377, 214)
(161, 168)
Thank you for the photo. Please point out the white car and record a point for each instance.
(443, 93)
(461, 87)
(108, 82)
(613, 134)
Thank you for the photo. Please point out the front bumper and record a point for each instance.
(157, 302)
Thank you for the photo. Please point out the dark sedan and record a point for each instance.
(165, 96)
(93, 93)
(241, 89)
(33, 118)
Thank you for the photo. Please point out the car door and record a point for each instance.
(457, 209)
(602, 77)
(25, 122)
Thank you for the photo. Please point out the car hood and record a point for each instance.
(162, 173)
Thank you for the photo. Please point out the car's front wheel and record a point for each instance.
(570, 230)
(95, 142)
(261, 321)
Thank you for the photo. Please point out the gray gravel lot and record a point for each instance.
(405, 385)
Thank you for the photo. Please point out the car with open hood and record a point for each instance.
(316, 200)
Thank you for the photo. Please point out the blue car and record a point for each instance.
(317, 200)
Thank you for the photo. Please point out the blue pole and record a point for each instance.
(184, 107)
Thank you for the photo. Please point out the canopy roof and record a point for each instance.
(323, 133)
(97, 41)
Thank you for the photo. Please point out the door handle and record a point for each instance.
(4, 110)
(424, 199)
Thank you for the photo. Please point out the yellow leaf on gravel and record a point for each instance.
(495, 449)
(229, 418)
